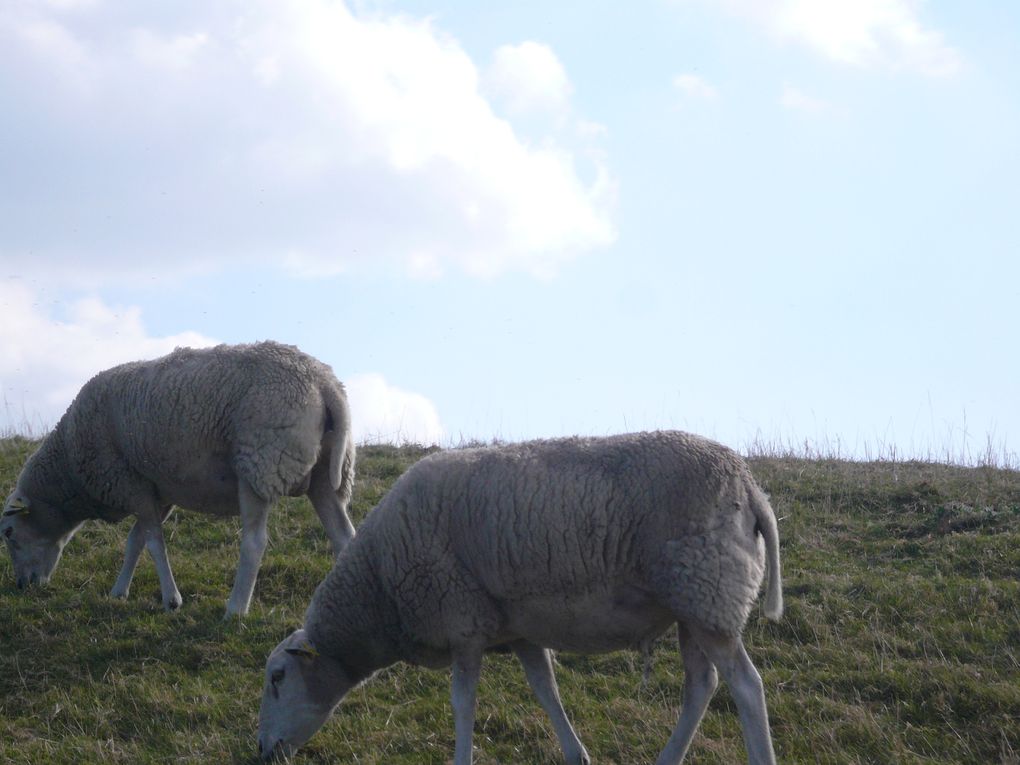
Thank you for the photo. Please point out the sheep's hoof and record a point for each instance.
(174, 603)
(119, 594)
(234, 613)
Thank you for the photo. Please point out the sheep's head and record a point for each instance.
(35, 535)
(302, 687)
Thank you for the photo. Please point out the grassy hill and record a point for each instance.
(900, 643)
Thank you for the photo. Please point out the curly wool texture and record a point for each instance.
(578, 544)
(182, 429)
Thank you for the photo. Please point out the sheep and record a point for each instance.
(580, 544)
(223, 430)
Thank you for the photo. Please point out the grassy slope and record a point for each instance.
(900, 642)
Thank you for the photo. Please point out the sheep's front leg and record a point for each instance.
(467, 666)
(538, 668)
(254, 514)
(152, 532)
(132, 552)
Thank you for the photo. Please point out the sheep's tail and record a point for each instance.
(766, 524)
(338, 439)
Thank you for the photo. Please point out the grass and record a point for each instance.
(900, 644)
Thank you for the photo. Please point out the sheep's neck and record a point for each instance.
(348, 618)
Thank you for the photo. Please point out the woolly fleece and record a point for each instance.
(182, 429)
(582, 544)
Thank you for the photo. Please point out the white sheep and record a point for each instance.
(224, 430)
(584, 545)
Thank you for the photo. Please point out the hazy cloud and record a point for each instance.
(385, 413)
(865, 33)
(48, 350)
(795, 99)
(695, 86)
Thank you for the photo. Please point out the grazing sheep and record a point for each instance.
(221, 430)
(584, 545)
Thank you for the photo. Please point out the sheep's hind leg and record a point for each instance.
(467, 666)
(728, 654)
(254, 514)
(132, 552)
(330, 509)
(538, 668)
(700, 683)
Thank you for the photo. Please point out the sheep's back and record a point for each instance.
(193, 420)
(564, 517)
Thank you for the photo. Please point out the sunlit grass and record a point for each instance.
(901, 640)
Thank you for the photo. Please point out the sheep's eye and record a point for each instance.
(8, 531)
(274, 680)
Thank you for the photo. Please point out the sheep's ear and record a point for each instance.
(17, 506)
(305, 650)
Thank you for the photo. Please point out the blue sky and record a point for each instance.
(781, 219)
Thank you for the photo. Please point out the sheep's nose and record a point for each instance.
(34, 579)
(21, 582)
(271, 753)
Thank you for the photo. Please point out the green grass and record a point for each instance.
(901, 640)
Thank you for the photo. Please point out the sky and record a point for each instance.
(767, 221)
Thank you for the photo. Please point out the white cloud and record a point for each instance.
(864, 33)
(384, 413)
(695, 86)
(795, 99)
(529, 77)
(45, 359)
(220, 136)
